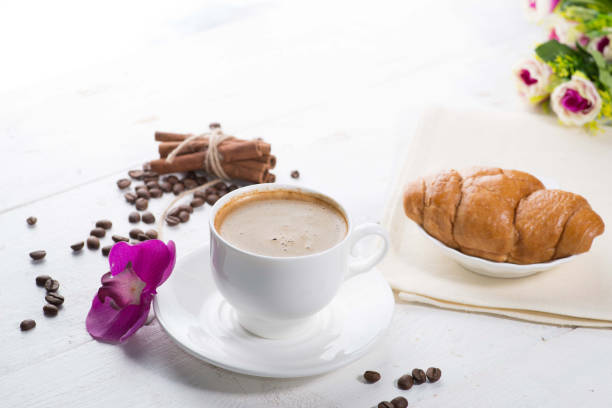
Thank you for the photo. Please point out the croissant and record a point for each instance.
(502, 215)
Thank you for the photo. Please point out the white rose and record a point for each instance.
(603, 45)
(576, 102)
(538, 10)
(565, 32)
(532, 78)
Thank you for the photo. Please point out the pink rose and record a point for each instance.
(566, 33)
(538, 10)
(532, 78)
(603, 46)
(576, 102)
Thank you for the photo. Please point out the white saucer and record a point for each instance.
(494, 269)
(196, 316)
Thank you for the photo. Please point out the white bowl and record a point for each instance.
(494, 269)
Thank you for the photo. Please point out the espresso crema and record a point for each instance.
(281, 223)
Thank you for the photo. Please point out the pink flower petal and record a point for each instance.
(120, 256)
(171, 262)
(111, 325)
(122, 304)
(124, 288)
(152, 260)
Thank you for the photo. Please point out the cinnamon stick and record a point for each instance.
(170, 137)
(230, 150)
(176, 137)
(249, 170)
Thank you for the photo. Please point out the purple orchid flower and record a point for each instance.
(122, 304)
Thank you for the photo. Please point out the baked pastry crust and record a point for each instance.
(502, 215)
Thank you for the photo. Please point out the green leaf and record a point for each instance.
(550, 50)
(599, 60)
(565, 60)
(604, 6)
(605, 78)
(589, 65)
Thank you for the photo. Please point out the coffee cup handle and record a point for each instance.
(360, 265)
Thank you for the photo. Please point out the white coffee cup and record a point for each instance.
(277, 297)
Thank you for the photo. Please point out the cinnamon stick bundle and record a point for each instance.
(249, 170)
(230, 150)
(249, 160)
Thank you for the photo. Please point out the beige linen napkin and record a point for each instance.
(578, 293)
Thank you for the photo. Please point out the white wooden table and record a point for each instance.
(336, 87)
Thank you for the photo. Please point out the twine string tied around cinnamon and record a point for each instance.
(213, 158)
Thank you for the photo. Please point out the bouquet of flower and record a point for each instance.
(571, 73)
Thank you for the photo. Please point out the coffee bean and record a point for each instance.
(106, 224)
(371, 376)
(152, 234)
(190, 175)
(196, 202)
(178, 188)
(98, 232)
(142, 204)
(385, 404)
(155, 192)
(152, 184)
(31, 220)
(51, 285)
(201, 180)
(171, 220)
(148, 218)
(142, 193)
(175, 212)
(134, 217)
(212, 199)
(143, 237)
(93, 243)
(433, 374)
(130, 198)
(232, 187)
(215, 125)
(50, 310)
(78, 246)
(124, 183)
(171, 179)
(41, 279)
(185, 207)
(27, 324)
(399, 402)
(38, 255)
(199, 194)
(295, 174)
(119, 238)
(136, 174)
(150, 175)
(209, 191)
(106, 250)
(405, 382)
(189, 184)
(220, 186)
(418, 376)
(165, 187)
(221, 193)
(184, 216)
(54, 298)
(134, 233)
